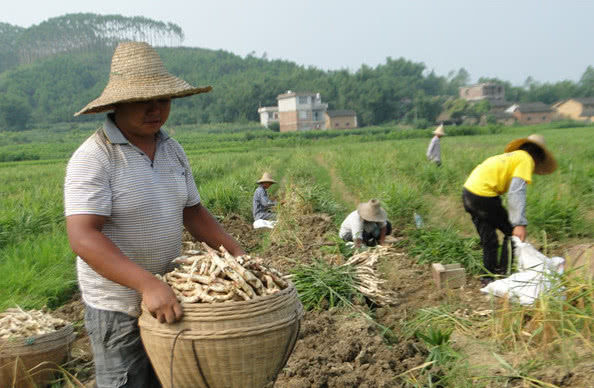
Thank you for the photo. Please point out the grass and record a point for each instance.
(37, 266)
(322, 286)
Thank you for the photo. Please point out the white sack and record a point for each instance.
(264, 224)
(534, 275)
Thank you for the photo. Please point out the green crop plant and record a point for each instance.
(430, 245)
(324, 286)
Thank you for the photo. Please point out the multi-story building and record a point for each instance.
(301, 111)
(484, 91)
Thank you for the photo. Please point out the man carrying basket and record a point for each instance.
(128, 193)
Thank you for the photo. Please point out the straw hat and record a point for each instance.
(439, 130)
(372, 211)
(138, 74)
(548, 165)
(266, 178)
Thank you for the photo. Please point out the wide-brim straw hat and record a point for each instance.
(266, 178)
(138, 74)
(545, 167)
(439, 130)
(372, 211)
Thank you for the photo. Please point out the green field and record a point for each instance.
(36, 265)
(331, 172)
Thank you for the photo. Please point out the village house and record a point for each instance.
(483, 91)
(531, 113)
(268, 114)
(341, 119)
(301, 111)
(581, 109)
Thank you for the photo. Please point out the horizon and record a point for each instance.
(501, 39)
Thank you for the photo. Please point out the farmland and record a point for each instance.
(322, 177)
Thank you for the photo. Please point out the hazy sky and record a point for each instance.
(509, 39)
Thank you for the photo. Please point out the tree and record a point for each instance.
(14, 113)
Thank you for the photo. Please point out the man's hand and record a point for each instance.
(520, 232)
(161, 301)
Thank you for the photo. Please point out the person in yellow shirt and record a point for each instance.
(508, 173)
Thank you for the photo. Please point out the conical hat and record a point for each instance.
(138, 74)
(545, 167)
(372, 211)
(266, 178)
(439, 130)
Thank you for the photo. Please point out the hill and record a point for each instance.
(51, 70)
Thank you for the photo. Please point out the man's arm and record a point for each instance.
(382, 236)
(516, 198)
(98, 251)
(204, 227)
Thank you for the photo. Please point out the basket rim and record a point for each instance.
(19, 346)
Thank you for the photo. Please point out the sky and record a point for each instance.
(549, 40)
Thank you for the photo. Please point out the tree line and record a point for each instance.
(50, 71)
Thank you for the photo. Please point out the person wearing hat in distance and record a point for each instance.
(434, 149)
(367, 225)
(262, 205)
(128, 193)
(509, 173)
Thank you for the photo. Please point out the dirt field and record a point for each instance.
(342, 348)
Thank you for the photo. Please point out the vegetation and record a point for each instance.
(37, 266)
(51, 70)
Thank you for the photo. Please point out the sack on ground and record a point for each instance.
(536, 273)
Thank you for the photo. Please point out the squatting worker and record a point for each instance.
(368, 225)
(262, 205)
(506, 173)
(434, 148)
(128, 193)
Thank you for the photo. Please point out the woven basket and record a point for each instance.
(33, 361)
(233, 344)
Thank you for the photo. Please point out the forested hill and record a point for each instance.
(51, 70)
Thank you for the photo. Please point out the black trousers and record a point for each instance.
(488, 215)
(371, 239)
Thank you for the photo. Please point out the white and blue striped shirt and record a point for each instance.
(143, 201)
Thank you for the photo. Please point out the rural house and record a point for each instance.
(581, 109)
(531, 113)
(268, 114)
(484, 91)
(300, 111)
(341, 119)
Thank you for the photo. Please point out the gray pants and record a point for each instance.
(118, 352)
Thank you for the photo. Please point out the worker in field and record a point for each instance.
(508, 173)
(128, 194)
(434, 149)
(368, 225)
(262, 205)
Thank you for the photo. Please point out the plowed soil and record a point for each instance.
(341, 347)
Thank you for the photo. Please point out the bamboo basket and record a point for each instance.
(33, 361)
(224, 345)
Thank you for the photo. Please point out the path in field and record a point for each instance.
(337, 184)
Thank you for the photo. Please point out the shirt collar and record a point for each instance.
(115, 136)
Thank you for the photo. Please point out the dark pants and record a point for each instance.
(371, 238)
(118, 353)
(488, 214)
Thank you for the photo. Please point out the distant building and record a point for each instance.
(268, 114)
(301, 111)
(581, 109)
(341, 119)
(531, 113)
(484, 91)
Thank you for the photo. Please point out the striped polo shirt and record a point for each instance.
(143, 202)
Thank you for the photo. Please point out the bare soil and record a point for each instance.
(341, 347)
